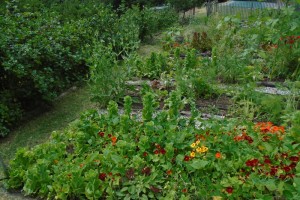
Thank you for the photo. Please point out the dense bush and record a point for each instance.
(45, 45)
(40, 57)
(10, 112)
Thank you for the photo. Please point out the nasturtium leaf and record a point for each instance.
(271, 185)
(179, 158)
(296, 183)
(268, 147)
(298, 168)
(280, 187)
(198, 164)
(116, 158)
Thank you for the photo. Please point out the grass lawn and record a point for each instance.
(65, 110)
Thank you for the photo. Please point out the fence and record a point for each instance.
(242, 7)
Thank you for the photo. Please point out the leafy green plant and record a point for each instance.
(160, 156)
(107, 76)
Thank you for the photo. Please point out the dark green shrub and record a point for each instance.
(9, 112)
(39, 56)
(153, 21)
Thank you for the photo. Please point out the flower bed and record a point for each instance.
(122, 157)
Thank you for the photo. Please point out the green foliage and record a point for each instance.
(153, 21)
(45, 47)
(106, 76)
(9, 112)
(159, 157)
(263, 46)
(40, 57)
(253, 105)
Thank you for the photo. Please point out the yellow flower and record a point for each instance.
(198, 142)
(204, 149)
(199, 150)
(193, 145)
(192, 154)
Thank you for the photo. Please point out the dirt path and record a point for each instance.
(4, 195)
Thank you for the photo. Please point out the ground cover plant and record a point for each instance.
(161, 156)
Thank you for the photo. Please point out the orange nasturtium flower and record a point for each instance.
(114, 140)
(169, 172)
(218, 155)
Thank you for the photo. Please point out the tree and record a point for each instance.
(185, 5)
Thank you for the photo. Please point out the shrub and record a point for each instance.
(10, 112)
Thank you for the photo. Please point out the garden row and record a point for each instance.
(161, 156)
(239, 52)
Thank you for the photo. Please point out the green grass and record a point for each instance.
(65, 110)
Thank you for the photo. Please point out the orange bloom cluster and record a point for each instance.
(113, 140)
(268, 127)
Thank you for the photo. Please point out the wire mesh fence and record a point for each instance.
(242, 7)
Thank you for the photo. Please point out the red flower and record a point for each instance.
(266, 138)
(252, 163)
(290, 175)
(155, 189)
(102, 176)
(249, 139)
(229, 190)
(293, 165)
(294, 158)
(169, 172)
(287, 168)
(146, 171)
(186, 158)
(101, 134)
(273, 171)
(157, 146)
(218, 155)
(267, 161)
(282, 177)
(163, 151)
(145, 154)
(109, 135)
(184, 190)
(156, 151)
(284, 155)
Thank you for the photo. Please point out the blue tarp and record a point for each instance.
(252, 4)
